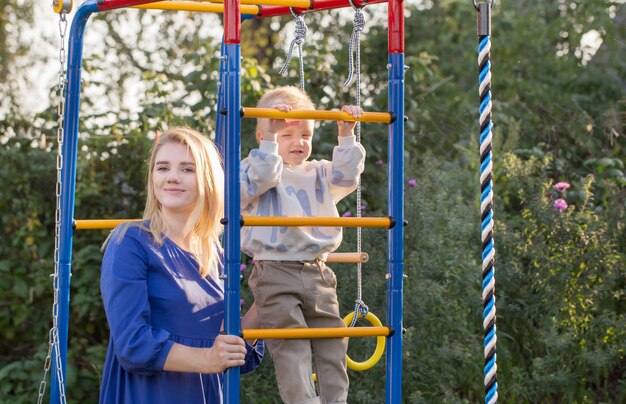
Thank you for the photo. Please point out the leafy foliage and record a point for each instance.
(558, 114)
(562, 293)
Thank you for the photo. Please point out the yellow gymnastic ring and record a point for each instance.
(378, 352)
(380, 344)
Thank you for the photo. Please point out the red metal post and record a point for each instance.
(232, 22)
(318, 5)
(265, 11)
(396, 26)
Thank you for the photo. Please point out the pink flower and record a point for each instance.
(380, 163)
(347, 214)
(560, 204)
(363, 207)
(242, 302)
(561, 186)
(412, 182)
(242, 267)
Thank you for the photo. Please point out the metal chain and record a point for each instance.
(360, 308)
(53, 335)
(297, 41)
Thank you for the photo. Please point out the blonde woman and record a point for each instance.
(161, 289)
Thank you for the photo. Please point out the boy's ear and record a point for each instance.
(258, 136)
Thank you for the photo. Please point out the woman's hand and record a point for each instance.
(227, 351)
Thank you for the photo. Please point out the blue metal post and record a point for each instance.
(395, 252)
(232, 249)
(220, 118)
(68, 178)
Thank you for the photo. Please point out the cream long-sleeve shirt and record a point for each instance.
(269, 188)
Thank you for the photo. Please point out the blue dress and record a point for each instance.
(154, 296)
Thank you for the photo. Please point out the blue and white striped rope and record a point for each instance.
(486, 209)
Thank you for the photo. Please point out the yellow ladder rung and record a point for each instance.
(343, 257)
(284, 3)
(195, 6)
(348, 258)
(305, 333)
(374, 222)
(382, 117)
(331, 221)
(100, 223)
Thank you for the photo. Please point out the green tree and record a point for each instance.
(558, 116)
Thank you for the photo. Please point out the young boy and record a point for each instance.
(292, 286)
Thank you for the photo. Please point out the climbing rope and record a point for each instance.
(297, 41)
(355, 44)
(53, 335)
(486, 201)
(360, 308)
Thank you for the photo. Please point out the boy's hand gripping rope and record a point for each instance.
(298, 40)
(360, 308)
(486, 202)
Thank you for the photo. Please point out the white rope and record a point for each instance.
(297, 41)
(360, 308)
(355, 42)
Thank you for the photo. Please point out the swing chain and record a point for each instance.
(53, 335)
(298, 40)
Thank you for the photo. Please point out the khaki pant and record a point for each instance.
(292, 294)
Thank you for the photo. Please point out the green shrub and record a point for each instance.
(560, 293)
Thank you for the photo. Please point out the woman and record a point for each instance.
(161, 289)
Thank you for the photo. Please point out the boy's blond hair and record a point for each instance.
(290, 95)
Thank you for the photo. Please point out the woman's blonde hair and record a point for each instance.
(290, 95)
(203, 225)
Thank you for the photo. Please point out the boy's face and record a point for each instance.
(294, 143)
